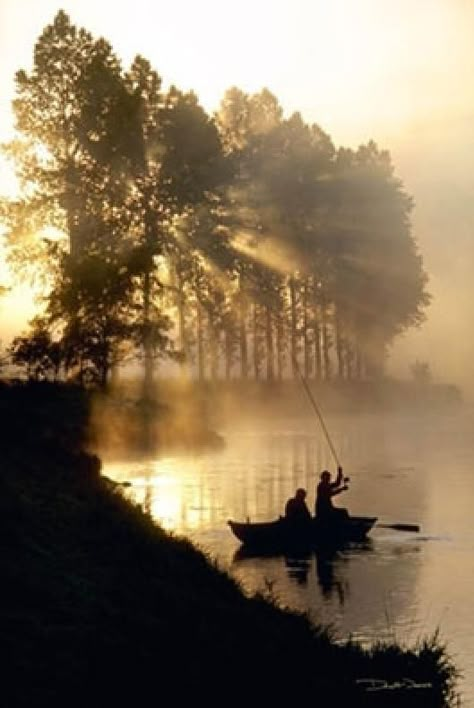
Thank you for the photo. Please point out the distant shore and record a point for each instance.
(102, 607)
(188, 415)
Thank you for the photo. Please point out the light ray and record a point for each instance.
(269, 253)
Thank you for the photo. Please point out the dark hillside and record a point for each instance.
(102, 607)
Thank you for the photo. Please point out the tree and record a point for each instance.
(74, 162)
(379, 282)
(282, 169)
(37, 353)
(180, 166)
(260, 235)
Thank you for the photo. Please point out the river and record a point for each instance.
(401, 586)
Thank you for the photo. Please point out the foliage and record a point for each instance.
(236, 244)
(38, 353)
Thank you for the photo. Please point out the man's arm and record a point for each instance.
(338, 491)
(339, 479)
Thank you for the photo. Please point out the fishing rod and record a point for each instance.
(316, 410)
(413, 528)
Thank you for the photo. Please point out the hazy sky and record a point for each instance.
(398, 71)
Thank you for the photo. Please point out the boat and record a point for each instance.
(282, 534)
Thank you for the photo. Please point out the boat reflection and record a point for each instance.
(330, 565)
(298, 568)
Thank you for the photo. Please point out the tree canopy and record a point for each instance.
(237, 243)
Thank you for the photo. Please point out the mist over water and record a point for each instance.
(408, 468)
(218, 233)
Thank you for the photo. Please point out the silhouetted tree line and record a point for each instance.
(237, 243)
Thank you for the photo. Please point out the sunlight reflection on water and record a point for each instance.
(399, 586)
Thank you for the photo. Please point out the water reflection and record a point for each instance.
(298, 568)
(297, 565)
(331, 567)
(328, 582)
(398, 586)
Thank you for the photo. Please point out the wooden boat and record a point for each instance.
(284, 534)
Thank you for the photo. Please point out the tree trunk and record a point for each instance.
(270, 351)
(375, 355)
(104, 371)
(147, 337)
(339, 347)
(279, 346)
(256, 360)
(317, 346)
(71, 205)
(114, 374)
(307, 370)
(183, 343)
(213, 347)
(228, 354)
(150, 238)
(358, 362)
(293, 326)
(199, 341)
(325, 345)
(352, 363)
(244, 368)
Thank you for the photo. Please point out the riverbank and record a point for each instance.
(103, 607)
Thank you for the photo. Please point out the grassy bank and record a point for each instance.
(102, 607)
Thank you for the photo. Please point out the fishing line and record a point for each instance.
(414, 528)
(316, 410)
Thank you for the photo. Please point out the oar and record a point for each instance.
(414, 528)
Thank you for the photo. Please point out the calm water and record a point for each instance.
(413, 469)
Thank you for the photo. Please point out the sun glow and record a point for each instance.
(396, 72)
(333, 61)
(169, 489)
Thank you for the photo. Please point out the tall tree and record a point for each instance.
(179, 168)
(74, 163)
(260, 235)
(379, 285)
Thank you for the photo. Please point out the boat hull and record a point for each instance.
(282, 534)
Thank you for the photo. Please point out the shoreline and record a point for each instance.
(98, 597)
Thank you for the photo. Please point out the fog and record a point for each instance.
(435, 161)
(399, 586)
(399, 74)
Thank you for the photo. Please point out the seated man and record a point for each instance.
(325, 491)
(296, 509)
